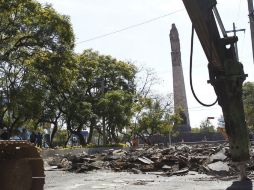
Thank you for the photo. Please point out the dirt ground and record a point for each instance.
(60, 180)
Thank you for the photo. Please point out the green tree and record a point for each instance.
(156, 117)
(76, 112)
(116, 107)
(108, 86)
(35, 44)
(51, 113)
(248, 101)
(206, 126)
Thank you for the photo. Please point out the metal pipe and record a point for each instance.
(217, 15)
(251, 17)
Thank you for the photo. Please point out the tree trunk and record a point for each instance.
(90, 136)
(99, 139)
(67, 140)
(114, 136)
(55, 128)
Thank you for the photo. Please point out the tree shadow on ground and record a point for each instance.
(241, 185)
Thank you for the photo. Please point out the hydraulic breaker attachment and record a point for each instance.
(228, 88)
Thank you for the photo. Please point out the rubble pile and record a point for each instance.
(178, 160)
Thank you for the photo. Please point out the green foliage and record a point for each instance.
(155, 117)
(248, 101)
(179, 117)
(116, 106)
(108, 85)
(61, 137)
(195, 130)
(28, 28)
(35, 42)
(206, 126)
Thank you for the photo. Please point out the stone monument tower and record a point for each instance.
(180, 101)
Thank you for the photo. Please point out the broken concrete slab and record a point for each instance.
(218, 166)
(219, 156)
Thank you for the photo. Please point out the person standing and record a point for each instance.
(39, 140)
(46, 140)
(5, 135)
(33, 137)
(24, 134)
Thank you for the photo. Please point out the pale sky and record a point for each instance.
(149, 43)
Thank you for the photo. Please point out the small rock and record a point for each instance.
(184, 148)
(166, 167)
(65, 163)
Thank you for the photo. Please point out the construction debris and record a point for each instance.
(178, 160)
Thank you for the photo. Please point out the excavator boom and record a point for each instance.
(225, 72)
(203, 20)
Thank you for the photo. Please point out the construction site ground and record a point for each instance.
(109, 180)
(190, 167)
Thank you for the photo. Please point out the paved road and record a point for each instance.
(59, 180)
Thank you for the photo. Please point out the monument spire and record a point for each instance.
(180, 101)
